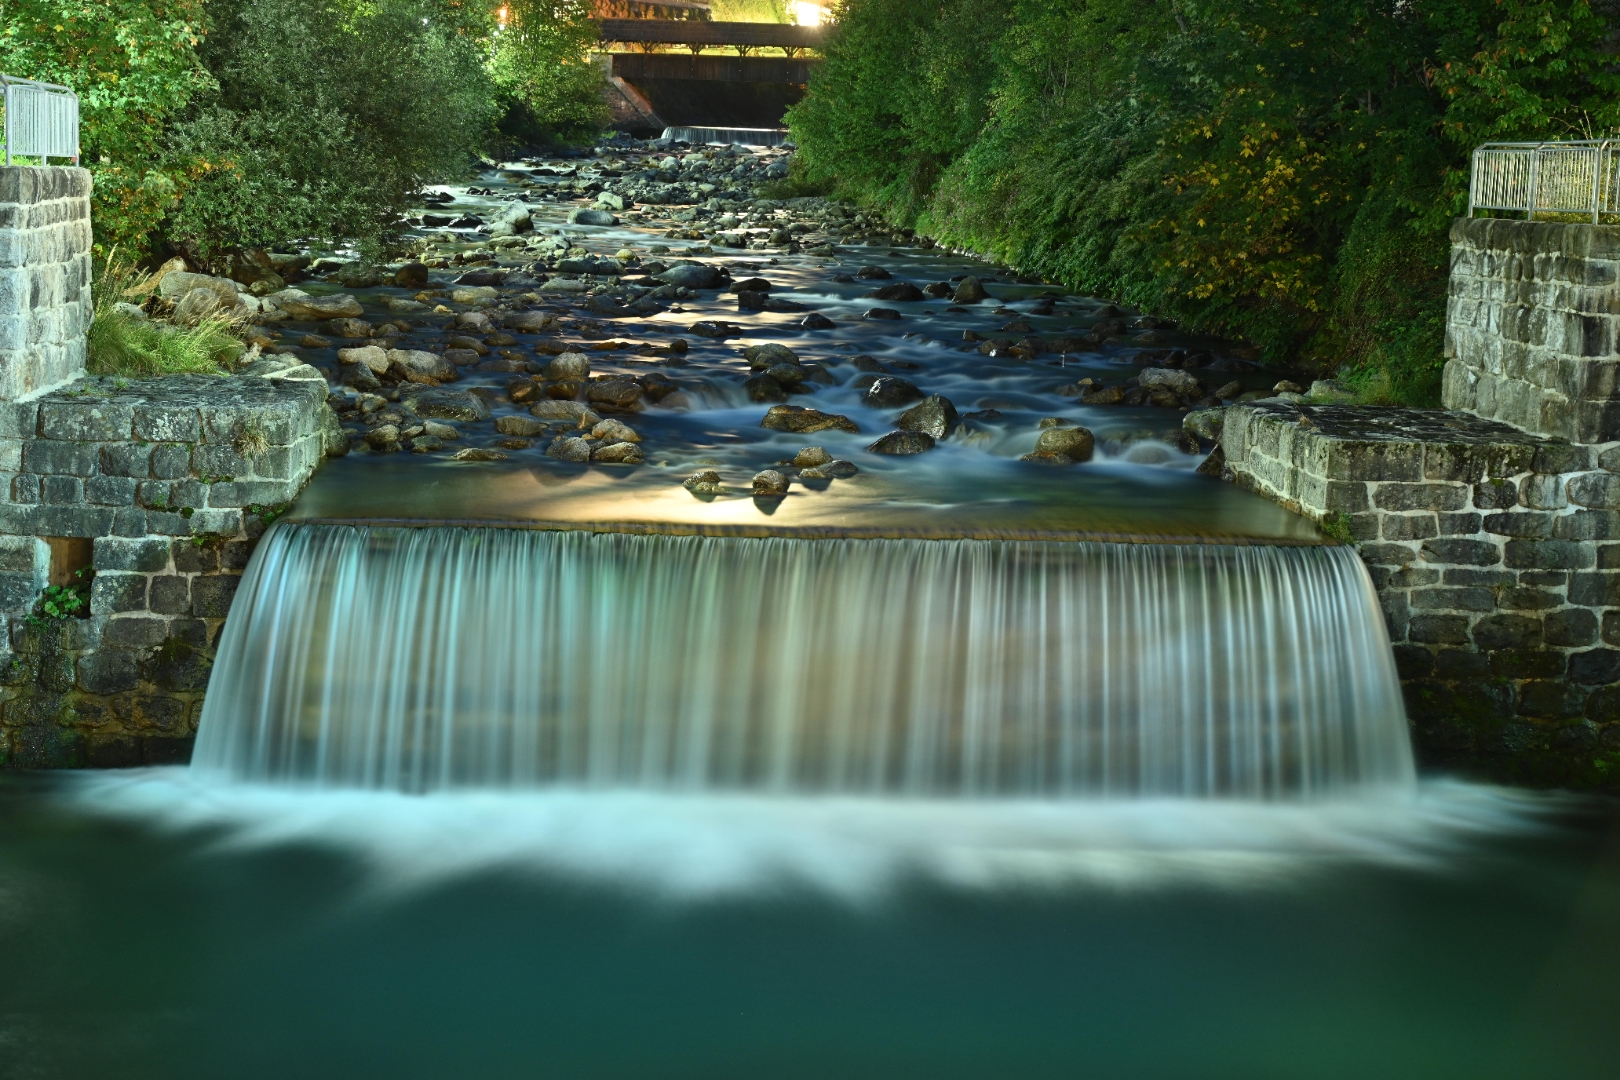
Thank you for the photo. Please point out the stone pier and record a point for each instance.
(154, 491)
(1491, 528)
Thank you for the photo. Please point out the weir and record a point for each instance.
(430, 658)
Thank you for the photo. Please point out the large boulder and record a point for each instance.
(615, 393)
(933, 415)
(301, 305)
(448, 405)
(529, 322)
(1175, 380)
(890, 392)
(692, 275)
(569, 365)
(969, 291)
(177, 283)
(1063, 446)
(196, 304)
(511, 221)
(903, 442)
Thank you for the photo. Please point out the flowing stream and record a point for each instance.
(430, 658)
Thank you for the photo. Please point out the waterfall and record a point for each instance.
(428, 658)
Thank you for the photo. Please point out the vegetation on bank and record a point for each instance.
(123, 342)
(220, 124)
(1275, 170)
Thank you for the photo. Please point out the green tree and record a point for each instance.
(541, 61)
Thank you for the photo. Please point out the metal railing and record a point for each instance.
(1547, 178)
(42, 120)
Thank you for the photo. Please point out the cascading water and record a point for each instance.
(431, 658)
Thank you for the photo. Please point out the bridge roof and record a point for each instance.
(692, 32)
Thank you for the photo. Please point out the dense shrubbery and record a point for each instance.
(1272, 169)
(217, 124)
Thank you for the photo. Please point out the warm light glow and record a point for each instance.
(807, 14)
(500, 17)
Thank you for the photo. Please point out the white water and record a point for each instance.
(436, 658)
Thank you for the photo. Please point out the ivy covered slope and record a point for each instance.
(214, 125)
(1274, 170)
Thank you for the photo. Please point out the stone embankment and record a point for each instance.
(129, 507)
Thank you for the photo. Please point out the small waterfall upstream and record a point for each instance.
(428, 658)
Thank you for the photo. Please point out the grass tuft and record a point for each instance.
(122, 343)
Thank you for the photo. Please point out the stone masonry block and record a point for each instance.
(1549, 554)
(85, 421)
(1420, 496)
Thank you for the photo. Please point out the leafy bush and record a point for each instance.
(1268, 169)
(327, 117)
(135, 67)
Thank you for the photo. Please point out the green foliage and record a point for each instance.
(135, 67)
(64, 601)
(125, 345)
(766, 11)
(540, 61)
(1276, 170)
(327, 117)
(1336, 526)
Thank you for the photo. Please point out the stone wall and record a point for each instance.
(1496, 557)
(44, 278)
(1533, 326)
(163, 486)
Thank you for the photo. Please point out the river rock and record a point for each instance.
(448, 405)
(714, 328)
(176, 284)
(770, 482)
(565, 412)
(969, 291)
(1205, 423)
(383, 437)
(763, 389)
(816, 321)
(903, 442)
(529, 322)
(440, 431)
(519, 425)
(873, 273)
(581, 216)
(413, 275)
(473, 294)
(317, 308)
(811, 457)
(615, 431)
(615, 393)
(1175, 380)
(1063, 446)
(479, 453)
(805, 421)
(372, 356)
(703, 483)
(934, 415)
(691, 275)
(1103, 395)
(900, 292)
(840, 469)
(349, 328)
(769, 355)
(569, 448)
(881, 313)
(619, 453)
(408, 362)
(890, 392)
(569, 365)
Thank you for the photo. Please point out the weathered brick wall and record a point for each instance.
(172, 480)
(45, 304)
(1533, 325)
(1496, 557)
